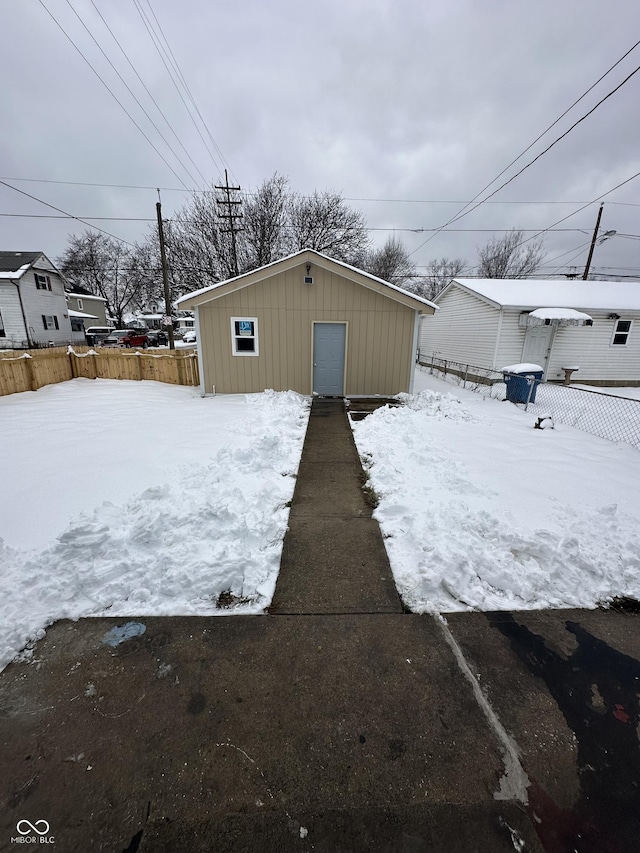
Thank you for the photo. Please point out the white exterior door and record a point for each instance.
(537, 345)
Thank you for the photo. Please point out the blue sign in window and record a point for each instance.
(245, 327)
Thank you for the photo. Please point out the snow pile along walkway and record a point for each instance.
(212, 527)
(479, 510)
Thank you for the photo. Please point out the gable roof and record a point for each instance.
(552, 293)
(14, 265)
(222, 288)
(14, 262)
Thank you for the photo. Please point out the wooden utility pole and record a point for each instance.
(593, 243)
(228, 202)
(165, 277)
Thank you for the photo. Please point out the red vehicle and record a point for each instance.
(126, 338)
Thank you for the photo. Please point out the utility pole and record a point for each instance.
(165, 277)
(593, 243)
(228, 202)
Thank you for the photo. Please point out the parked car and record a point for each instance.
(189, 337)
(96, 334)
(157, 338)
(126, 338)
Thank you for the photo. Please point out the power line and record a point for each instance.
(111, 92)
(158, 107)
(153, 38)
(188, 91)
(548, 148)
(287, 227)
(67, 215)
(133, 95)
(154, 188)
(569, 215)
(609, 70)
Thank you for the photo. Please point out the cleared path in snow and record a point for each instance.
(333, 556)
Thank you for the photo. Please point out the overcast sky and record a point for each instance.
(407, 108)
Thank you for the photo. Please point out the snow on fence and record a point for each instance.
(34, 368)
(615, 418)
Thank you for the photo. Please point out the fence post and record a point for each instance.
(139, 360)
(464, 379)
(445, 366)
(433, 358)
(73, 365)
(94, 364)
(31, 372)
(532, 384)
(180, 367)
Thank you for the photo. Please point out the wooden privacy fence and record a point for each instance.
(34, 368)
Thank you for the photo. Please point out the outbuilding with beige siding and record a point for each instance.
(310, 324)
(496, 322)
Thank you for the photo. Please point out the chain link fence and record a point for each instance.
(609, 416)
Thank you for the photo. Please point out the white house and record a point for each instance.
(592, 325)
(33, 303)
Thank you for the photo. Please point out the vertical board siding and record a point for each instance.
(464, 329)
(379, 335)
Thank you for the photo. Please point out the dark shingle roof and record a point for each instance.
(12, 261)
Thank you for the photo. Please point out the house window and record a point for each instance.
(77, 324)
(244, 335)
(80, 304)
(3, 334)
(621, 333)
(43, 282)
(49, 321)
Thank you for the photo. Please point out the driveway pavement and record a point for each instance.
(337, 722)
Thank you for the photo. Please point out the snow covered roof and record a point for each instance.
(17, 262)
(555, 293)
(311, 255)
(82, 315)
(81, 293)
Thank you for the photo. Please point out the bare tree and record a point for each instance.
(390, 263)
(510, 256)
(439, 273)
(102, 266)
(325, 223)
(265, 222)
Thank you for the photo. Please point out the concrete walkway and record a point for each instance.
(333, 556)
(329, 731)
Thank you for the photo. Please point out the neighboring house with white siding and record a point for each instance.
(592, 325)
(33, 303)
(306, 323)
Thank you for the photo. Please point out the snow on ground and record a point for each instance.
(627, 391)
(479, 510)
(124, 498)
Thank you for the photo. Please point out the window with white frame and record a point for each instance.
(43, 282)
(3, 334)
(621, 333)
(244, 335)
(80, 304)
(49, 321)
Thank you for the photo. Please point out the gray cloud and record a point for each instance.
(379, 100)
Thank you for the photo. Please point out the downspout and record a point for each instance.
(414, 352)
(495, 350)
(24, 316)
(199, 348)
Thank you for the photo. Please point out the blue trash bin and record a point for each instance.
(518, 379)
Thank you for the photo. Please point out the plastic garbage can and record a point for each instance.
(518, 379)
